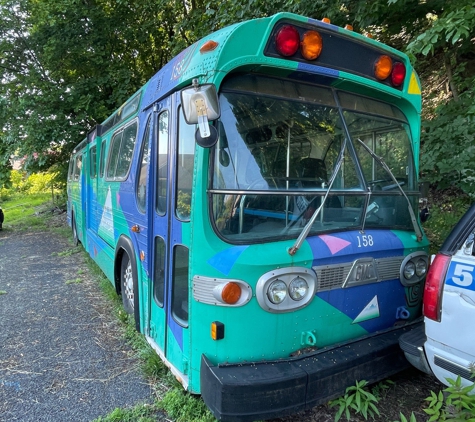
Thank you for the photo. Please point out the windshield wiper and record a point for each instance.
(388, 170)
(306, 230)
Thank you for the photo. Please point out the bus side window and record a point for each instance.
(144, 161)
(162, 176)
(180, 285)
(71, 169)
(93, 163)
(159, 271)
(78, 165)
(185, 162)
(120, 156)
(102, 159)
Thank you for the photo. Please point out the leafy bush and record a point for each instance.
(29, 184)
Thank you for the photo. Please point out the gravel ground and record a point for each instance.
(62, 357)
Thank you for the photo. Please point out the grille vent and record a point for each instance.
(333, 276)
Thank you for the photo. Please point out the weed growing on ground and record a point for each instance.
(356, 399)
(75, 281)
(138, 413)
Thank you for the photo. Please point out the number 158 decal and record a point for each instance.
(461, 275)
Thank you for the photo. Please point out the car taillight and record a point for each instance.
(434, 285)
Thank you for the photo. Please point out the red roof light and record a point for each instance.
(287, 40)
(398, 74)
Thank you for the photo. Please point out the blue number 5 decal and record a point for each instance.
(461, 275)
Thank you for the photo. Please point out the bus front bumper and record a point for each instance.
(271, 389)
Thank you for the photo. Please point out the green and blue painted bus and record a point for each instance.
(255, 203)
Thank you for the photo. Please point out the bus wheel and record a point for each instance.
(128, 284)
(75, 231)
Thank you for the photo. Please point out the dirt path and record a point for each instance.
(62, 357)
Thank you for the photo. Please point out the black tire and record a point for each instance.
(75, 230)
(128, 285)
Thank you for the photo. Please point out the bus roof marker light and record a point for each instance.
(326, 20)
(287, 40)
(383, 67)
(311, 45)
(209, 45)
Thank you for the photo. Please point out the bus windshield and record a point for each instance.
(277, 159)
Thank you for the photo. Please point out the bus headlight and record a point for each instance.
(298, 288)
(421, 268)
(286, 289)
(277, 291)
(414, 268)
(409, 270)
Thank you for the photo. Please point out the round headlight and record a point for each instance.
(409, 270)
(298, 288)
(421, 267)
(277, 291)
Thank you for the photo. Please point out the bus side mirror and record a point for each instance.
(200, 106)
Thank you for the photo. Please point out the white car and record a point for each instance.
(445, 345)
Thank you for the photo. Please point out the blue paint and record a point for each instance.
(225, 260)
(390, 293)
(318, 69)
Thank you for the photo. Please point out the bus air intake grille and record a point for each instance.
(389, 268)
(333, 276)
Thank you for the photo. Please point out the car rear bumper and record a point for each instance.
(264, 390)
(412, 344)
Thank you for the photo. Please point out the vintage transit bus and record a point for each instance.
(255, 204)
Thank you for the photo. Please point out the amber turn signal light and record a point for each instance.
(383, 67)
(231, 293)
(311, 46)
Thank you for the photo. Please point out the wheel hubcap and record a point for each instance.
(129, 285)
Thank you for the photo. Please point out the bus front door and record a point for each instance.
(169, 298)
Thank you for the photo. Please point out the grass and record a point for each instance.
(31, 211)
(22, 211)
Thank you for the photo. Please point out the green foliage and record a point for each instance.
(356, 399)
(21, 211)
(456, 404)
(453, 27)
(183, 407)
(444, 215)
(36, 183)
(448, 147)
(404, 419)
(138, 413)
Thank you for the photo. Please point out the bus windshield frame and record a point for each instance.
(279, 143)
